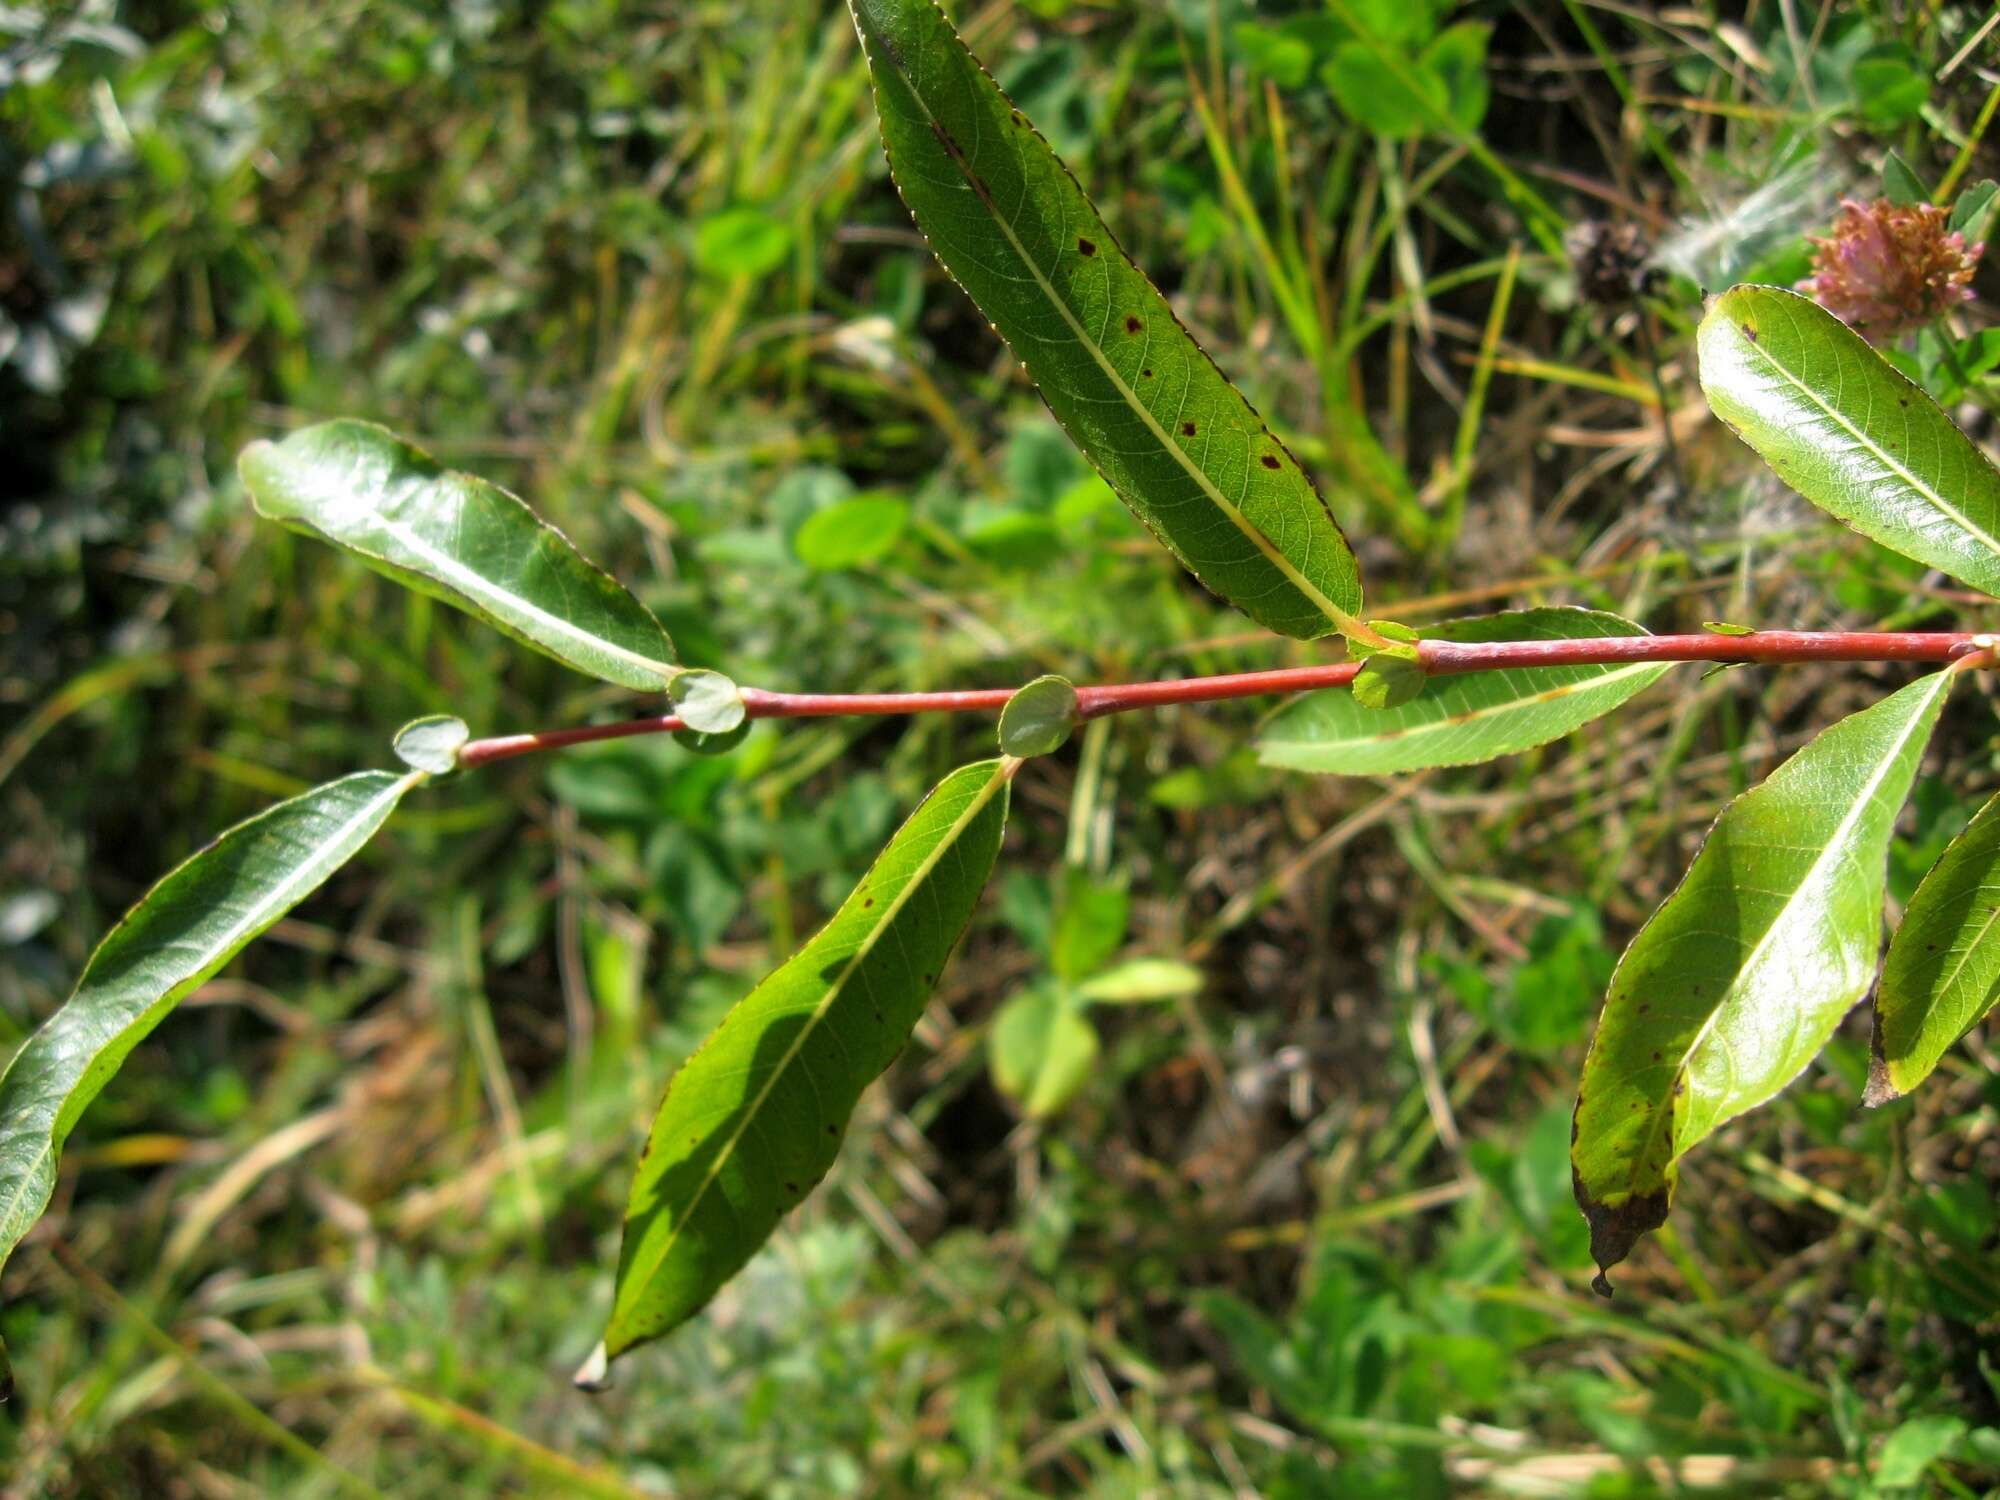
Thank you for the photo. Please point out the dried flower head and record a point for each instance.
(1612, 262)
(1888, 267)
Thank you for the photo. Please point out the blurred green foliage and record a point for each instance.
(1302, 1231)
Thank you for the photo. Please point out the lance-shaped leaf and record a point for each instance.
(186, 927)
(753, 1119)
(1943, 970)
(1746, 969)
(460, 539)
(1458, 720)
(1844, 428)
(1177, 442)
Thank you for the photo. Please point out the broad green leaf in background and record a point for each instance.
(460, 539)
(742, 241)
(1139, 980)
(1456, 721)
(1943, 969)
(1177, 442)
(1042, 1049)
(1972, 214)
(753, 1119)
(849, 533)
(1842, 427)
(1445, 82)
(1743, 973)
(184, 929)
(1891, 85)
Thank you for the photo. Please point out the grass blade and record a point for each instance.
(1456, 721)
(754, 1118)
(1746, 969)
(185, 928)
(1173, 437)
(460, 539)
(1844, 428)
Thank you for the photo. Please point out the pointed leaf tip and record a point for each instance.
(594, 1374)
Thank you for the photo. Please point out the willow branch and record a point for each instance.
(1439, 658)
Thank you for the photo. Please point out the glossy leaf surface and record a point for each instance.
(1943, 970)
(185, 928)
(1177, 442)
(1844, 428)
(1746, 969)
(460, 539)
(1458, 720)
(753, 1119)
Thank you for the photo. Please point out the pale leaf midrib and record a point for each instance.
(1335, 615)
(890, 913)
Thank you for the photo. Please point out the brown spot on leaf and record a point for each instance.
(1750, 332)
(1085, 247)
(1187, 429)
(1132, 323)
(1145, 374)
(1270, 460)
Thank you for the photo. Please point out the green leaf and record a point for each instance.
(1943, 970)
(851, 532)
(1914, 1446)
(752, 1121)
(460, 539)
(1389, 679)
(1042, 1050)
(1891, 85)
(707, 702)
(184, 929)
(1458, 720)
(1379, 100)
(1092, 917)
(1457, 60)
(1972, 213)
(1899, 184)
(1746, 969)
(1846, 430)
(431, 744)
(1177, 442)
(741, 242)
(1724, 627)
(1038, 718)
(1139, 980)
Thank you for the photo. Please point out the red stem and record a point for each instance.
(1440, 658)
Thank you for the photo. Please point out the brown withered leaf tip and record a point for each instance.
(1878, 1091)
(1615, 1229)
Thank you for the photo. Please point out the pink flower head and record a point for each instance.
(1888, 267)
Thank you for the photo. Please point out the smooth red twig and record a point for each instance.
(1440, 658)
